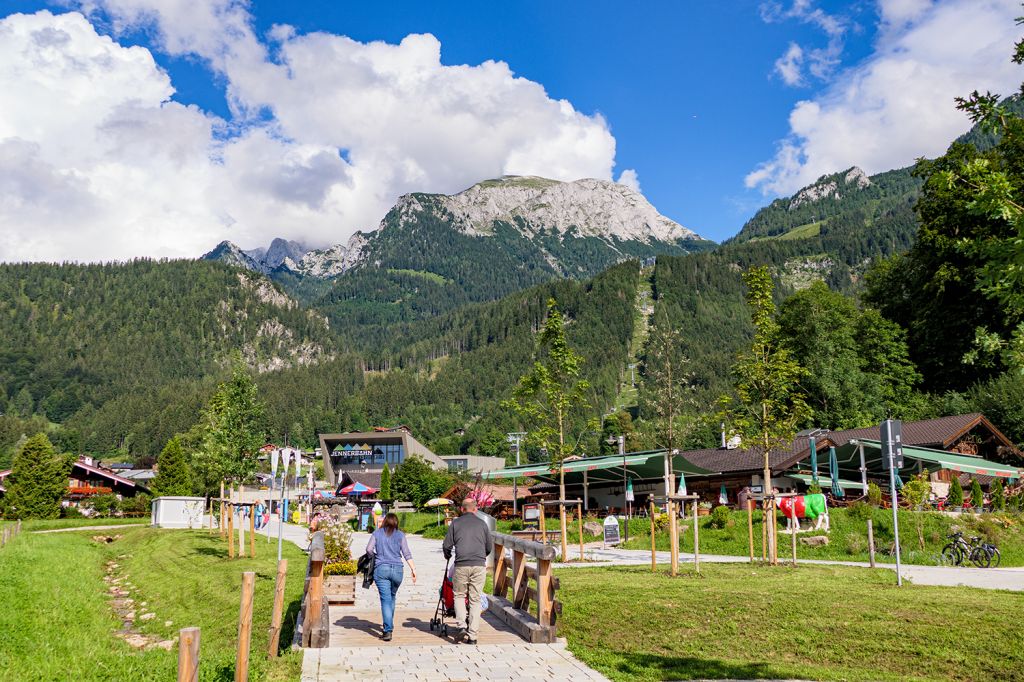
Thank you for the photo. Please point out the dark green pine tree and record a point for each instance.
(174, 476)
(998, 497)
(38, 481)
(977, 499)
(956, 494)
(385, 483)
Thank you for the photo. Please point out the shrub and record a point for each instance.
(859, 511)
(874, 495)
(516, 524)
(814, 489)
(661, 522)
(989, 529)
(340, 568)
(105, 505)
(720, 517)
(71, 513)
(956, 494)
(855, 544)
(337, 541)
(977, 498)
(998, 499)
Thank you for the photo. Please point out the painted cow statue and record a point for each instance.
(811, 507)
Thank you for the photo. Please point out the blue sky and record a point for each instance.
(716, 107)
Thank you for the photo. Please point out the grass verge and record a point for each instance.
(57, 624)
(828, 623)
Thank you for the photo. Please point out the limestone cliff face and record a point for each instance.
(587, 208)
(536, 208)
(831, 186)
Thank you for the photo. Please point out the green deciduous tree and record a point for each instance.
(416, 481)
(233, 431)
(550, 396)
(667, 375)
(38, 481)
(174, 475)
(769, 403)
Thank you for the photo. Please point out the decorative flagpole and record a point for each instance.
(286, 455)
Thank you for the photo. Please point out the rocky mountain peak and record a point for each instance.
(831, 186)
(592, 208)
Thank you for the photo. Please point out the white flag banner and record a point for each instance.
(275, 455)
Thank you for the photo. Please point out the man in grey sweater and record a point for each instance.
(470, 538)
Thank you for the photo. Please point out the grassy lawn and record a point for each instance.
(829, 623)
(56, 622)
(848, 536)
(53, 524)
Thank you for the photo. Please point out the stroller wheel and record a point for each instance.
(431, 624)
(444, 630)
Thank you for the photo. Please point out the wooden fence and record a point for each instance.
(313, 628)
(10, 532)
(517, 577)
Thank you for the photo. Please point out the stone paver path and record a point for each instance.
(494, 663)
(416, 653)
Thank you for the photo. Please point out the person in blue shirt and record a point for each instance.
(388, 546)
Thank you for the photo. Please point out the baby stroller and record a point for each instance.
(445, 604)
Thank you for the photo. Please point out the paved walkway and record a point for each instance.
(417, 653)
(952, 576)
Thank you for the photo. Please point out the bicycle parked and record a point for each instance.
(981, 554)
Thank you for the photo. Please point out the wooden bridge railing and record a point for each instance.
(313, 627)
(516, 577)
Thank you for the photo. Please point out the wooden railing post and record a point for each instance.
(696, 538)
(315, 593)
(244, 627)
(498, 581)
(519, 580)
(274, 635)
(220, 503)
(579, 517)
(654, 560)
(188, 655)
(544, 592)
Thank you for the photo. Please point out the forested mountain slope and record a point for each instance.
(79, 337)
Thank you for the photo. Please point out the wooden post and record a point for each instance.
(773, 533)
(244, 628)
(274, 636)
(231, 531)
(188, 655)
(520, 581)
(579, 517)
(499, 585)
(750, 527)
(314, 594)
(696, 539)
(544, 602)
(792, 514)
(211, 514)
(764, 531)
(543, 532)
(252, 531)
(565, 532)
(221, 505)
(673, 536)
(871, 543)
(654, 560)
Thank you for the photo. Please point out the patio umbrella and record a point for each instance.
(833, 471)
(723, 497)
(682, 484)
(357, 489)
(438, 502)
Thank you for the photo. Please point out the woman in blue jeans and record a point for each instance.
(389, 547)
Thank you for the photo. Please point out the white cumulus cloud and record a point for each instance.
(98, 162)
(898, 104)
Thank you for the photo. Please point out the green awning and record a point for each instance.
(826, 481)
(953, 461)
(639, 465)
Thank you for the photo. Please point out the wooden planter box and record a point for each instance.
(340, 589)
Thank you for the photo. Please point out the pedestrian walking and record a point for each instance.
(388, 546)
(470, 539)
